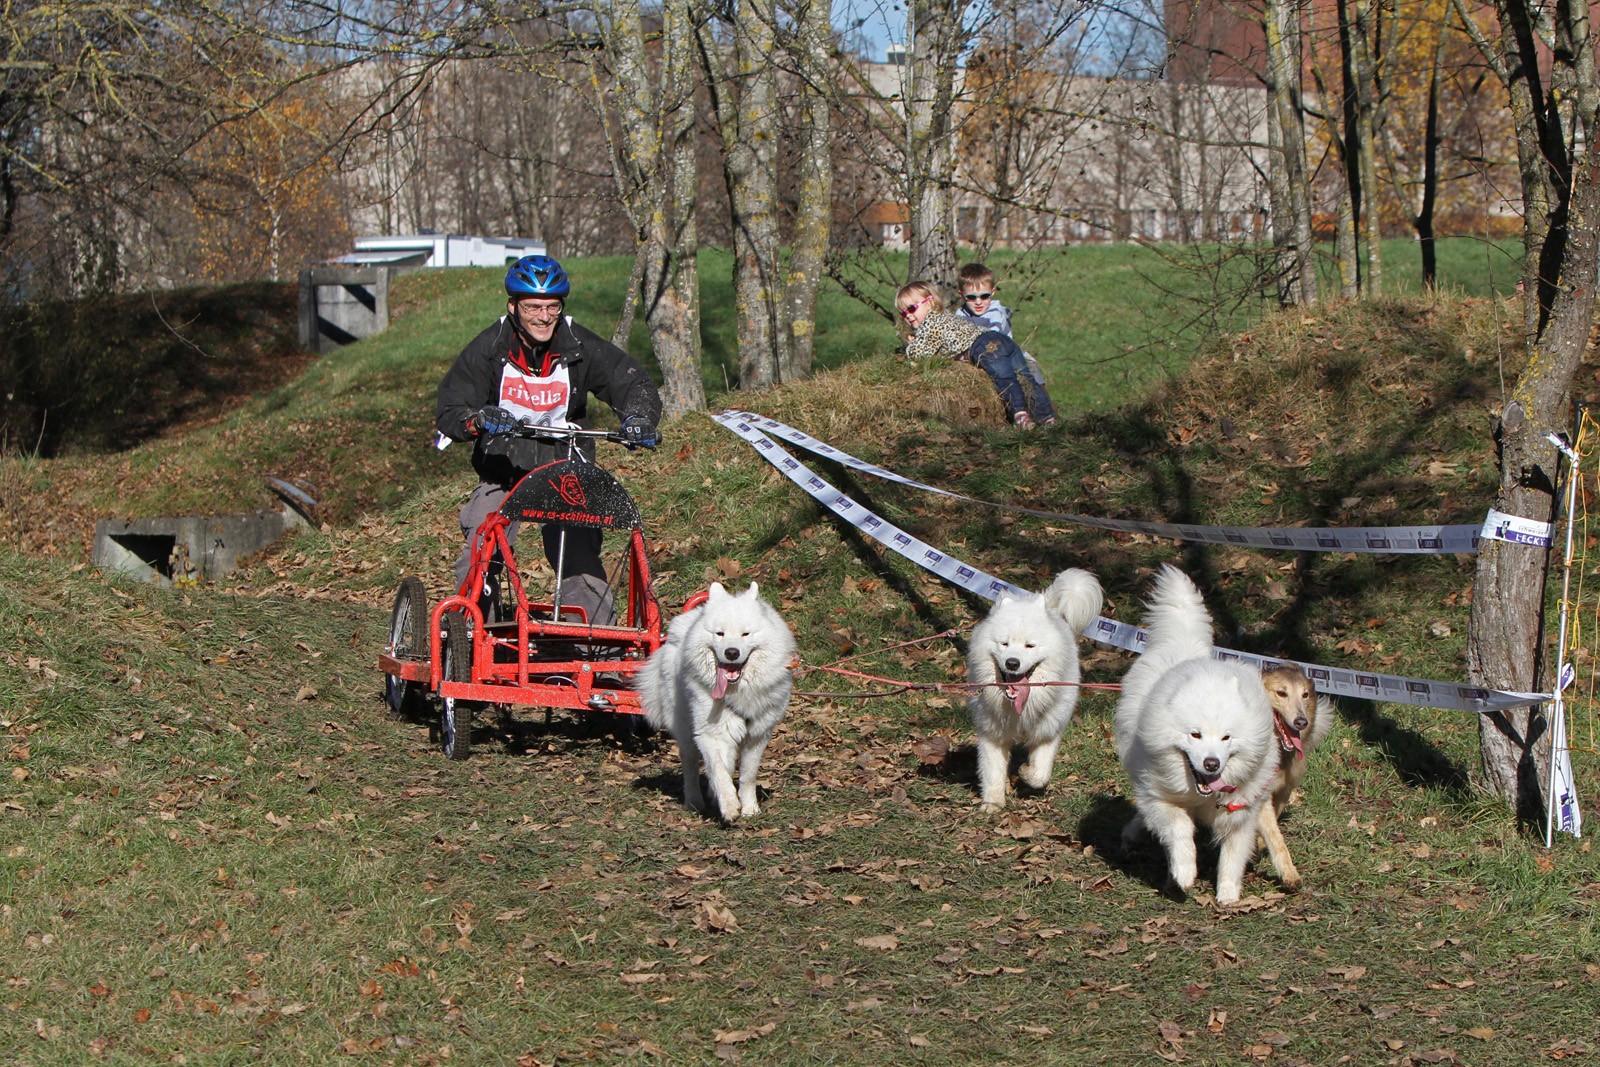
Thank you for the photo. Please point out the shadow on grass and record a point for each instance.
(1144, 859)
(535, 732)
(194, 354)
(1415, 760)
(1101, 828)
(959, 768)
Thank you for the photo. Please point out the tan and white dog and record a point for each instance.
(1301, 718)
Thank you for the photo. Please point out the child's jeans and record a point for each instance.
(999, 357)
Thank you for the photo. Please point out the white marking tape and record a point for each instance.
(1519, 531)
(1336, 680)
(1433, 540)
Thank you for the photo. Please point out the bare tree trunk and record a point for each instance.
(619, 336)
(1430, 181)
(1348, 136)
(656, 118)
(1422, 210)
(934, 28)
(1368, 120)
(746, 104)
(1506, 624)
(1561, 187)
(813, 222)
(1292, 231)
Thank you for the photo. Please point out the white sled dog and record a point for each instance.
(1025, 641)
(1301, 718)
(719, 683)
(1195, 735)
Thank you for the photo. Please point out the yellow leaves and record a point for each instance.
(269, 195)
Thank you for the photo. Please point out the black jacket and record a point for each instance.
(596, 367)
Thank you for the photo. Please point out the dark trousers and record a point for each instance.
(583, 581)
(1003, 361)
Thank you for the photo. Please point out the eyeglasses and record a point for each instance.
(539, 311)
(972, 297)
(906, 312)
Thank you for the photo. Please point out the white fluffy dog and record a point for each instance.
(1024, 642)
(1196, 737)
(719, 683)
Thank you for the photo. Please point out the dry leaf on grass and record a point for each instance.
(885, 942)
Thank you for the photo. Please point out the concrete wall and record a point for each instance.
(339, 305)
(186, 549)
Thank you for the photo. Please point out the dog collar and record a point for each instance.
(1240, 805)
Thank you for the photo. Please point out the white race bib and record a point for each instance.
(540, 399)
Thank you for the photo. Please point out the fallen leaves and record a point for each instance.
(932, 751)
(736, 1037)
(881, 942)
(713, 917)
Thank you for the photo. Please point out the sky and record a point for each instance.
(880, 23)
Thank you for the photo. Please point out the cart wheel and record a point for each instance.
(455, 716)
(408, 636)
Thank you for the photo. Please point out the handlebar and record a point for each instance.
(569, 435)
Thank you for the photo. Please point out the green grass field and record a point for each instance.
(217, 848)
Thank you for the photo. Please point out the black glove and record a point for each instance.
(640, 432)
(491, 420)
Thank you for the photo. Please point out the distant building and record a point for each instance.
(1085, 159)
(887, 221)
(440, 250)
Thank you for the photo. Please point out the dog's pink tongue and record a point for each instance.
(1299, 747)
(719, 688)
(1018, 695)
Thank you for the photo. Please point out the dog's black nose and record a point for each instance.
(1212, 764)
(1300, 724)
(1012, 664)
(731, 655)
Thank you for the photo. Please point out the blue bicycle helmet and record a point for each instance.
(537, 276)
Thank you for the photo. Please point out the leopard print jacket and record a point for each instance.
(943, 334)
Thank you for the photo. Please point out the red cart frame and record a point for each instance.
(537, 653)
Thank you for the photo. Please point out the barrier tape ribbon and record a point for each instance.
(1432, 540)
(1338, 681)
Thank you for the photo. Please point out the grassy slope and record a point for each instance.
(216, 845)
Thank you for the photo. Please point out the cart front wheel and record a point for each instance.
(455, 716)
(408, 637)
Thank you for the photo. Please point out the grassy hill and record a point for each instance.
(217, 846)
